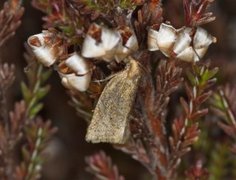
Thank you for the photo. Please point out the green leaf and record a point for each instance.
(25, 153)
(217, 102)
(68, 30)
(32, 103)
(26, 92)
(34, 110)
(192, 78)
(218, 166)
(213, 72)
(42, 92)
(45, 76)
(208, 74)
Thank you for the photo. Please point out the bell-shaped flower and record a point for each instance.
(201, 41)
(100, 42)
(75, 73)
(44, 48)
(183, 40)
(128, 45)
(185, 44)
(163, 39)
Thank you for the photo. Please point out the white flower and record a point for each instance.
(152, 40)
(73, 81)
(163, 39)
(183, 40)
(126, 47)
(77, 63)
(75, 73)
(109, 44)
(184, 43)
(45, 52)
(201, 41)
(182, 47)
(100, 42)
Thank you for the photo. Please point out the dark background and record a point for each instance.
(68, 148)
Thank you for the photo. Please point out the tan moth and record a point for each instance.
(110, 121)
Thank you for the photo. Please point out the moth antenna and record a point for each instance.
(106, 79)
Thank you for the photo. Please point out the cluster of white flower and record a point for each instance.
(185, 44)
(75, 71)
(108, 45)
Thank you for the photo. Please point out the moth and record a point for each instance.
(110, 121)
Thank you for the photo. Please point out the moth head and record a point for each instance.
(134, 68)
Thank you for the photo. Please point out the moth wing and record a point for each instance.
(111, 115)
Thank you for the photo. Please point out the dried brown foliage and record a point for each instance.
(195, 12)
(161, 133)
(10, 19)
(185, 129)
(100, 165)
(197, 172)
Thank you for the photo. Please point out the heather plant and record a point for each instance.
(142, 84)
